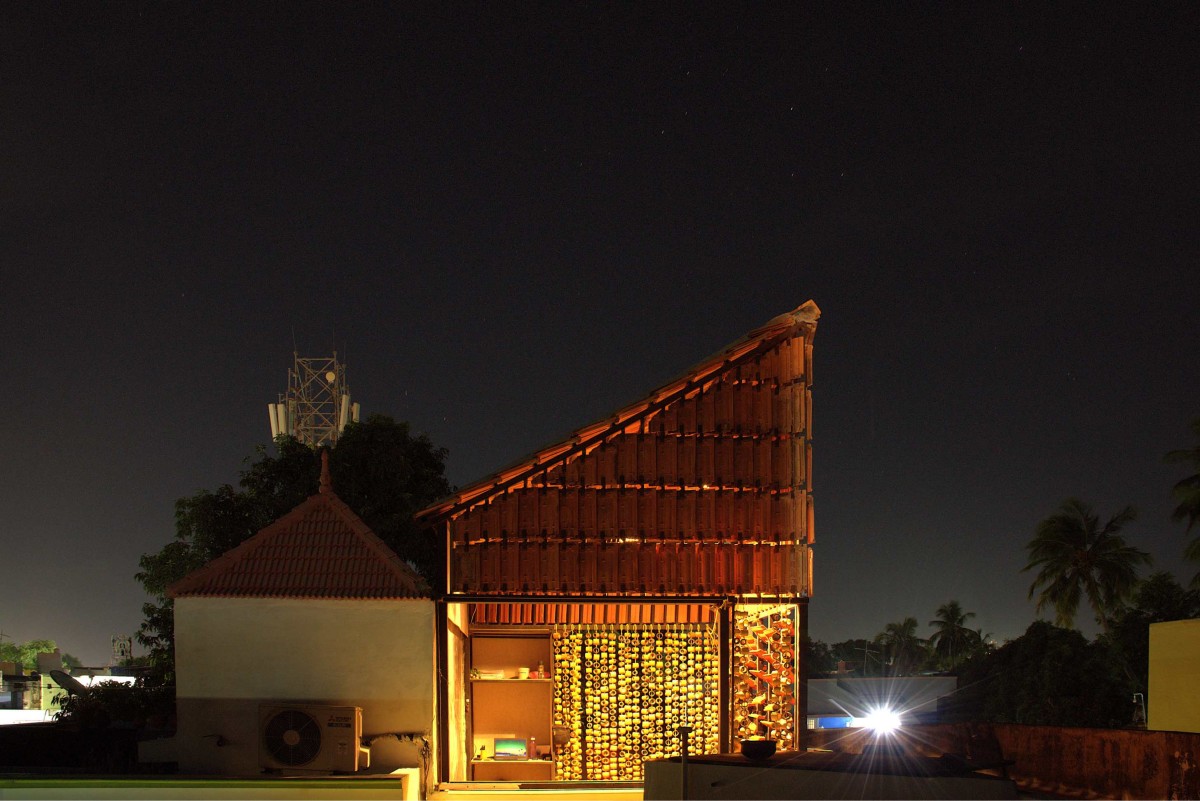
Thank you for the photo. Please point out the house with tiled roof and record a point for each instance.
(279, 640)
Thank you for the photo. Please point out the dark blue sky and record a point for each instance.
(510, 223)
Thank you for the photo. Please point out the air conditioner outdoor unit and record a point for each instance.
(311, 737)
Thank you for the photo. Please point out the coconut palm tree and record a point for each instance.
(952, 641)
(1187, 493)
(1076, 557)
(984, 643)
(904, 650)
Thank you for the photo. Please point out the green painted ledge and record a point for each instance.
(71, 787)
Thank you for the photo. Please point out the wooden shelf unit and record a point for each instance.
(510, 706)
(512, 770)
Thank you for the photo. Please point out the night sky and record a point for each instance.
(511, 222)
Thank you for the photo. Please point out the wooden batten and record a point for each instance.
(662, 568)
(575, 614)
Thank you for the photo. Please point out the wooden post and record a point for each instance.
(725, 673)
(683, 732)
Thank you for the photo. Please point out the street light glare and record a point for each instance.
(883, 721)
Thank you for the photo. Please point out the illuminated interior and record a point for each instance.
(623, 692)
(594, 689)
(764, 667)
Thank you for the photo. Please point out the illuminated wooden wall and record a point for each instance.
(702, 488)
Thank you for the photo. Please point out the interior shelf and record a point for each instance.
(510, 707)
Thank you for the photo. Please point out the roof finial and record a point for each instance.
(326, 482)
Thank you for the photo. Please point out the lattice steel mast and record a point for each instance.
(316, 406)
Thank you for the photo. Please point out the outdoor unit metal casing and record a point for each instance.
(309, 737)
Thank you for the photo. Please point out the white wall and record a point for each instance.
(233, 653)
(13, 716)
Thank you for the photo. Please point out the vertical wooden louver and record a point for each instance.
(701, 489)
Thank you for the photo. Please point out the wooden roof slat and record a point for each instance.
(587, 437)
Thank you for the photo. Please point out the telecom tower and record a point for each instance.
(317, 404)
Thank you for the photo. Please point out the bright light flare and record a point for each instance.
(883, 721)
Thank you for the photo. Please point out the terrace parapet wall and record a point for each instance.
(1066, 762)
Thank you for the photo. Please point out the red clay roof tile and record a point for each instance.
(320, 549)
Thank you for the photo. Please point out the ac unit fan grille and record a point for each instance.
(292, 738)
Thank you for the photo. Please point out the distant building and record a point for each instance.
(32, 697)
(842, 703)
(18, 693)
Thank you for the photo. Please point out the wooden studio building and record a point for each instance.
(649, 572)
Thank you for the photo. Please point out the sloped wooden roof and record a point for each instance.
(761, 339)
(320, 549)
(700, 489)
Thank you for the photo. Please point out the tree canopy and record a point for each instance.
(952, 642)
(379, 469)
(1049, 676)
(25, 654)
(1158, 599)
(1078, 558)
(903, 651)
(898, 650)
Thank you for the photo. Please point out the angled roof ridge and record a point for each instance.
(734, 353)
(195, 583)
(370, 538)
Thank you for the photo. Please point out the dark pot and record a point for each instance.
(758, 749)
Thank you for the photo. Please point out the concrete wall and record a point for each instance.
(233, 653)
(49, 698)
(1081, 763)
(1173, 702)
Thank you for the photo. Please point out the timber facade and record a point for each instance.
(678, 529)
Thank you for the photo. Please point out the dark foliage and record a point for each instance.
(818, 659)
(1187, 495)
(904, 653)
(387, 475)
(25, 654)
(1077, 558)
(1157, 599)
(107, 703)
(1049, 676)
(862, 656)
